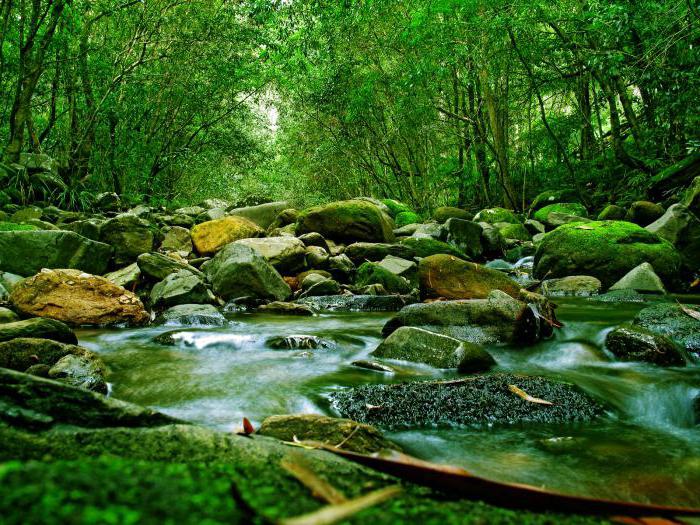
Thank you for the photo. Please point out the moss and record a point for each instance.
(406, 217)
(425, 246)
(606, 250)
(441, 215)
(551, 197)
(396, 207)
(494, 215)
(514, 231)
(568, 208)
(612, 213)
(353, 220)
(12, 227)
(371, 273)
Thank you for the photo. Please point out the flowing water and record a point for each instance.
(646, 449)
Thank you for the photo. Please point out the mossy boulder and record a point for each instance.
(680, 227)
(38, 328)
(466, 236)
(396, 207)
(286, 254)
(633, 343)
(606, 250)
(129, 235)
(23, 352)
(405, 218)
(517, 232)
(494, 215)
(447, 277)
(349, 221)
(14, 227)
(552, 197)
(360, 252)
(671, 320)
(181, 287)
(211, 236)
(373, 273)
(444, 213)
(644, 212)
(612, 213)
(567, 208)
(426, 246)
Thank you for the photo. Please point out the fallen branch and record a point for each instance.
(527, 397)
(319, 488)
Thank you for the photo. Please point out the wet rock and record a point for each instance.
(377, 366)
(299, 342)
(80, 371)
(263, 214)
(439, 351)
(177, 239)
(125, 277)
(283, 308)
(158, 266)
(352, 221)
(444, 213)
(361, 252)
(341, 268)
(27, 252)
(286, 254)
(372, 273)
(314, 287)
(354, 436)
(425, 247)
(211, 236)
(358, 303)
(77, 298)
(193, 315)
(644, 212)
(7, 316)
(612, 213)
(129, 235)
(680, 227)
(494, 215)
(573, 285)
(182, 287)
(478, 400)
(670, 320)
(466, 236)
(643, 278)
(621, 296)
(316, 257)
(38, 328)
(498, 318)
(447, 277)
(606, 250)
(632, 343)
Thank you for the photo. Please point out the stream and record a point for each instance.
(646, 449)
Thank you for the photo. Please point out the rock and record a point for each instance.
(612, 213)
(312, 279)
(556, 219)
(425, 247)
(320, 287)
(480, 400)
(573, 285)
(513, 231)
(26, 214)
(7, 316)
(80, 371)
(632, 343)
(492, 241)
(129, 235)
(286, 254)
(263, 215)
(372, 273)
(191, 211)
(354, 436)
(401, 267)
(447, 277)
(298, 342)
(211, 214)
(282, 308)
(445, 213)
(10, 280)
(315, 239)
(238, 271)
(125, 277)
(284, 218)
(552, 197)
(107, 201)
(89, 229)
(26, 252)
(38, 328)
(209, 204)
(466, 236)
(353, 220)
(376, 366)
(405, 218)
(341, 268)
(157, 266)
(691, 197)
(316, 257)
(680, 227)
(670, 320)
(430, 230)
(606, 250)
(23, 352)
(358, 303)
(181, 287)
(41, 225)
(566, 208)
(77, 298)
(177, 239)
(497, 319)
(395, 207)
(534, 227)
(494, 215)
(361, 252)
(644, 212)
(440, 351)
(193, 315)
(210, 237)
(643, 278)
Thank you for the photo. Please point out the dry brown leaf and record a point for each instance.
(527, 397)
(692, 313)
(334, 513)
(319, 488)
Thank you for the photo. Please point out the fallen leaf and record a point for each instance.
(527, 397)
(319, 488)
(247, 426)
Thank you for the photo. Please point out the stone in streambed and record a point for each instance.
(286, 254)
(7, 316)
(632, 343)
(439, 351)
(466, 236)
(671, 320)
(211, 236)
(680, 227)
(182, 287)
(177, 239)
(81, 371)
(358, 303)
(361, 252)
(426, 246)
(193, 314)
(38, 328)
(284, 308)
(643, 278)
(158, 266)
(494, 215)
(573, 285)
(480, 400)
(125, 277)
(612, 213)
(298, 342)
(372, 273)
(129, 235)
(263, 214)
(644, 212)
(352, 220)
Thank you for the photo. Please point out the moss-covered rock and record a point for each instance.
(447, 277)
(632, 343)
(13, 227)
(405, 218)
(395, 207)
(426, 246)
(671, 320)
(38, 328)
(494, 215)
(129, 235)
(552, 197)
(568, 208)
(360, 252)
(373, 273)
(211, 236)
(444, 213)
(513, 231)
(644, 212)
(606, 250)
(353, 220)
(612, 213)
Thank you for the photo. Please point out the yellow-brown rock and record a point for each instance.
(77, 298)
(209, 237)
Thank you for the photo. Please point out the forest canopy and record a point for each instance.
(445, 102)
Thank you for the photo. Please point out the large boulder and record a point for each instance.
(672, 320)
(129, 235)
(440, 351)
(496, 319)
(606, 250)
(548, 197)
(573, 285)
(182, 287)
(401, 267)
(612, 212)
(77, 298)
(351, 221)
(643, 278)
(680, 227)
(26, 252)
(211, 236)
(481, 400)
(263, 214)
(632, 343)
(177, 239)
(373, 273)
(494, 215)
(644, 212)
(567, 208)
(286, 254)
(38, 328)
(239, 271)
(466, 236)
(447, 277)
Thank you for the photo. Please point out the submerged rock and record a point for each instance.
(358, 303)
(354, 436)
(298, 342)
(670, 320)
(632, 343)
(440, 351)
(352, 220)
(573, 285)
(211, 236)
(478, 400)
